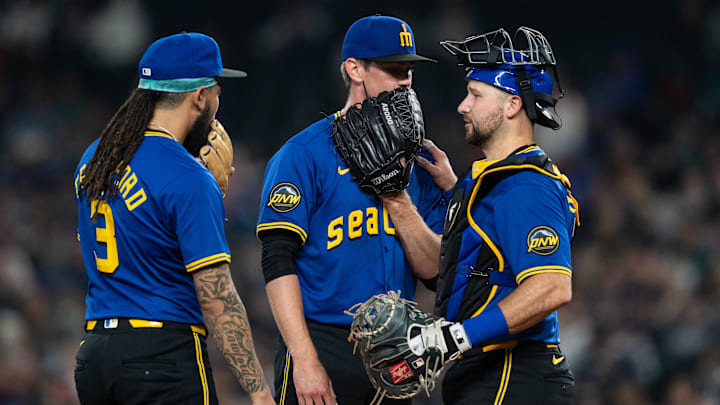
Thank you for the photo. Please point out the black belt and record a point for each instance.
(124, 324)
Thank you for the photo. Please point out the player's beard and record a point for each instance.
(481, 132)
(198, 135)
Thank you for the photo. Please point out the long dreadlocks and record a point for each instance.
(120, 139)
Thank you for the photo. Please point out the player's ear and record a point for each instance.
(198, 98)
(355, 70)
(513, 105)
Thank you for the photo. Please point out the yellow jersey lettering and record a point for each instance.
(128, 184)
(125, 188)
(335, 233)
(386, 221)
(275, 198)
(372, 220)
(105, 236)
(126, 173)
(136, 199)
(80, 177)
(355, 226)
(355, 220)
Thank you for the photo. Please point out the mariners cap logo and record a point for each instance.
(284, 197)
(543, 240)
(405, 37)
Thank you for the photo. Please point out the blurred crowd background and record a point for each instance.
(640, 143)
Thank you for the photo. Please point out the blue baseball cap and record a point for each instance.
(381, 38)
(181, 63)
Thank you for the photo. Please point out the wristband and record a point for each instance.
(490, 324)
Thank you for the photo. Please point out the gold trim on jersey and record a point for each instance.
(158, 133)
(476, 227)
(542, 269)
(282, 225)
(220, 257)
(532, 148)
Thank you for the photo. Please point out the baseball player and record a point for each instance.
(151, 231)
(505, 266)
(327, 245)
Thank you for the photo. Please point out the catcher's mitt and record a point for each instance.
(217, 155)
(373, 137)
(380, 330)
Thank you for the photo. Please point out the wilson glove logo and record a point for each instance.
(543, 240)
(384, 177)
(284, 197)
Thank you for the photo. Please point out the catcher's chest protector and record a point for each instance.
(486, 272)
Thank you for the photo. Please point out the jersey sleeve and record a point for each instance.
(532, 229)
(429, 198)
(197, 212)
(288, 191)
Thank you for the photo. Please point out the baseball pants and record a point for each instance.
(124, 365)
(346, 371)
(531, 373)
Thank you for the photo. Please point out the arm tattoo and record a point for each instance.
(227, 322)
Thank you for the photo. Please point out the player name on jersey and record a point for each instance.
(126, 187)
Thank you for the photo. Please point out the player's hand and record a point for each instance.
(448, 338)
(441, 171)
(397, 198)
(312, 384)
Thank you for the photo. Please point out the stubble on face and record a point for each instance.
(482, 130)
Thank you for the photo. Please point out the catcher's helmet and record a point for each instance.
(519, 67)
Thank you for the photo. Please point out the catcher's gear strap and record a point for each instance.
(487, 270)
(536, 104)
(279, 248)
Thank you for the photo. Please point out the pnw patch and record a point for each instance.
(284, 197)
(543, 240)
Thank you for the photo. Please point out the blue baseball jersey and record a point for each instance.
(166, 221)
(350, 251)
(530, 219)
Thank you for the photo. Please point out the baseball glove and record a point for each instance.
(217, 155)
(381, 330)
(373, 137)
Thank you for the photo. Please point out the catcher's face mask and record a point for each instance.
(520, 68)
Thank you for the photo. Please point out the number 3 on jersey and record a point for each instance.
(106, 236)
